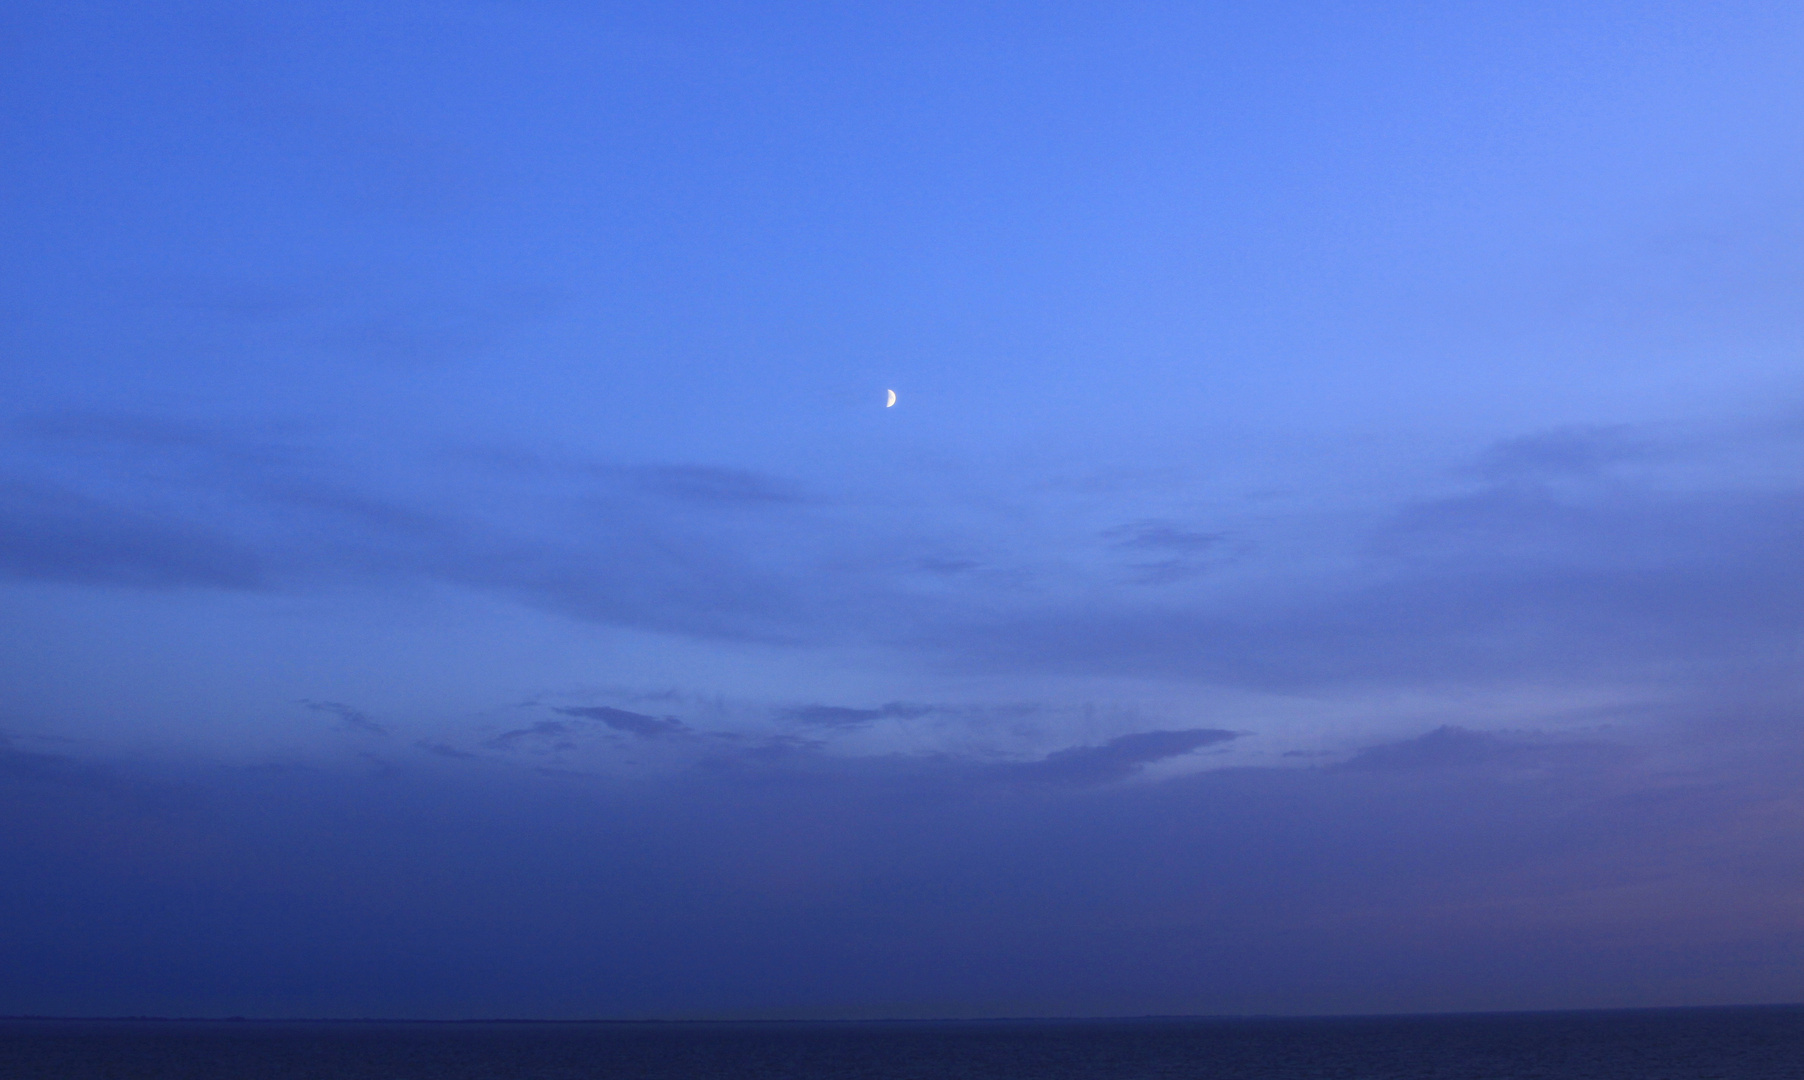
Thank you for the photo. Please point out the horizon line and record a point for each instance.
(889, 1019)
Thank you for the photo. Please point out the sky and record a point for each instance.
(1334, 549)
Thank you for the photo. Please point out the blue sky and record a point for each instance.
(1326, 439)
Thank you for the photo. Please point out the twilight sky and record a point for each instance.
(1336, 546)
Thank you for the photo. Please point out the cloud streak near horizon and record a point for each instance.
(806, 886)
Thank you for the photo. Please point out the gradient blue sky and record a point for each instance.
(1335, 548)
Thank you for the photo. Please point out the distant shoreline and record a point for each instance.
(1225, 1018)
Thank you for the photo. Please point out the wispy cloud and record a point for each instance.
(1564, 452)
(712, 485)
(347, 716)
(1164, 552)
(631, 722)
(53, 534)
(552, 733)
(445, 750)
(1119, 758)
(841, 716)
(1454, 748)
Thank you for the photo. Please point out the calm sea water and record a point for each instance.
(1691, 1044)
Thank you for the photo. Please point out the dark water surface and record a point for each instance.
(1689, 1044)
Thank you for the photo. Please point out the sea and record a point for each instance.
(1678, 1044)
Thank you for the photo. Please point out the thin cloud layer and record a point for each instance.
(1515, 577)
(892, 886)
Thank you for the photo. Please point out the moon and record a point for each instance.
(891, 401)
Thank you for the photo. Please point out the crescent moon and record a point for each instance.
(891, 401)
